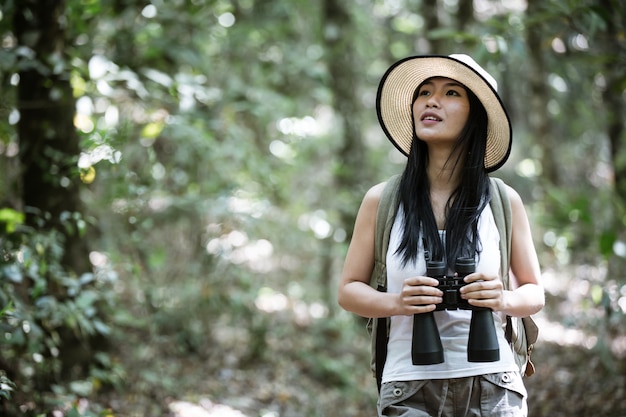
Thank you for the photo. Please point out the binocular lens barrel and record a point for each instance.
(426, 346)
(482, 346)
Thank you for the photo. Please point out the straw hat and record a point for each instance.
(395, 95)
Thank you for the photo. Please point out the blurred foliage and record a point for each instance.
(209, 160)
(6, 385)
(50, 315)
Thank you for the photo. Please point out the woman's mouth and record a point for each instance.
(430, 117)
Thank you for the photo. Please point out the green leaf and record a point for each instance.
(13, 273)
(606, 241)
(11, 218)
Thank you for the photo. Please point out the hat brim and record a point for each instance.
(395, 95)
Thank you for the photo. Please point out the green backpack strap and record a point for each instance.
(501, 209)
(521, 333)
(385, 216)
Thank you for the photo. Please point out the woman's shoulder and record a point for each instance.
(514, 196)
(372, 197)
(515, 200)
(376, 191)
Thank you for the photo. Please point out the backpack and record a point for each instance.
(521, 333)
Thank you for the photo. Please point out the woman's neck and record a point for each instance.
(442, 170)
(444, 178)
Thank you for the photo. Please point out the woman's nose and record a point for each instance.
(432, 101)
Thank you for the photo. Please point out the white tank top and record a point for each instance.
(453, 325)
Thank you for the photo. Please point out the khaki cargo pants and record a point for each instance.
(493, 395)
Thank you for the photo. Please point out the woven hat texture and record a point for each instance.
(395, 95)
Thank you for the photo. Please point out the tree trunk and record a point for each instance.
(613, 97)
(48, 153)
(430, 12)
(615, 105)
(465, 15)
(344, 74)
(49, 144)
(344, 71)
(538, 119)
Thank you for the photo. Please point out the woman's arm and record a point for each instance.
(526, 295)
(356, 295)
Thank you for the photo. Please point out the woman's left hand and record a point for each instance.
(483, 291)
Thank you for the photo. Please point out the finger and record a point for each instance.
(491, 303)
(420, 309)
(478, 276)
(471, 288)
(489, 299)
(419, 290)
(481, 286)
(421, 300)
(479, 295)
(428, 281)
(426, 300)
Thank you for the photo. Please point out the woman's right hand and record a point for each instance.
(419, 295)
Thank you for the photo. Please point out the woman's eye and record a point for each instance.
(423, 93)
(453, 93)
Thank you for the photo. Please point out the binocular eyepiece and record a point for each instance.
(482, 344)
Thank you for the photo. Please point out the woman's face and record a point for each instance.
(440, 110)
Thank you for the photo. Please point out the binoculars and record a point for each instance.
(482, 345)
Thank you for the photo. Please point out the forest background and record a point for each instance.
(179, 180)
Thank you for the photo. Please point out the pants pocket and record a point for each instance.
(402, 399)
(504, 395)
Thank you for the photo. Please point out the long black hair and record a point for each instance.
(464, 205)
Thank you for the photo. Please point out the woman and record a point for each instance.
(444, 113)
